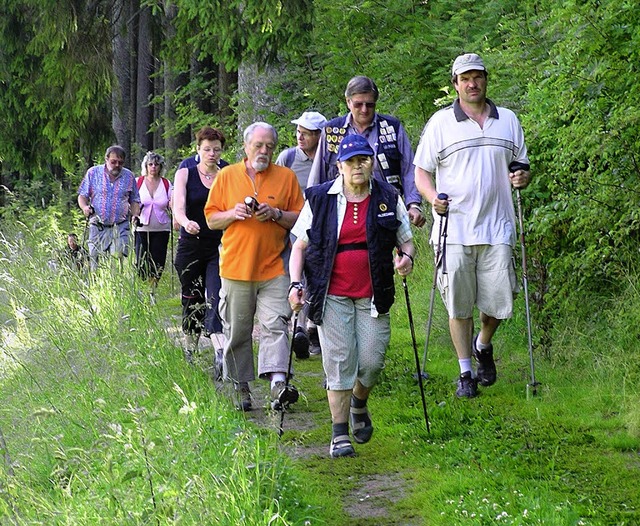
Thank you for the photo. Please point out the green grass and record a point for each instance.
(105, 423)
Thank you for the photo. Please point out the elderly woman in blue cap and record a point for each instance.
(352, 235)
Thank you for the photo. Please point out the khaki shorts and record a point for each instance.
(480, 275)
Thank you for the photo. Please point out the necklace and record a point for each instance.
(206, 175)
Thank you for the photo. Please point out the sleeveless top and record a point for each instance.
(196, 197)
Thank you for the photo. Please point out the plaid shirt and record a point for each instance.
(111, 201)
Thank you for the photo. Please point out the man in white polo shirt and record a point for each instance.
(469, 147)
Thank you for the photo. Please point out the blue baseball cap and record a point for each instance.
(353, 145)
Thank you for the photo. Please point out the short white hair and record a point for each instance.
(248, 132)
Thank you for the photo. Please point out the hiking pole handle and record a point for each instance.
(442, 197)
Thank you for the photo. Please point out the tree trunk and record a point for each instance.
(144, 111)
(172, 81)
(227, 82)
(254, 103)
(121, 64)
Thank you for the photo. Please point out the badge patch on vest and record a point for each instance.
(387, 132)
(382, 158)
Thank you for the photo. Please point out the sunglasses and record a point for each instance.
(359, 105)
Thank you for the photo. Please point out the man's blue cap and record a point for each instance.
(353, 145)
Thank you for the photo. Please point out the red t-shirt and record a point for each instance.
(351, 276)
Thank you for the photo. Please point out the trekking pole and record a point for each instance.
(85, 233)
(533, 385)
(440, 258)
(415, 349)
(173, 269)
(283, 407)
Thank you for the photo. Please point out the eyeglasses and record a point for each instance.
(358, 104)
(216, 151)
(153, 163)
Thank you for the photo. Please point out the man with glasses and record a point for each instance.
(300, 159)
(385, 134)
(255, 203)
(109, 197)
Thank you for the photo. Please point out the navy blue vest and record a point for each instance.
(382, 225)
(388, 156)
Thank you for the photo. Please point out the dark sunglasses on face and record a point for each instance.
(359, 105)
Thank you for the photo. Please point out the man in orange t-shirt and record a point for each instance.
(256, 203)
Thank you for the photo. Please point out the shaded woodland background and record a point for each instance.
(77, 75)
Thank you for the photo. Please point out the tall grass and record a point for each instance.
(102, 420)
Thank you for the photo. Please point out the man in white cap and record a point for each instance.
(474, 151)
(300, 159)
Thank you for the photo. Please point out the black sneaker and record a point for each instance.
(486, 372)
(314, 342)
(244, 396)
(301, 344)
(282, 395)
(467, 386)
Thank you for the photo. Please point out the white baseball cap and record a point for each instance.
(311, 120)
(467, 62)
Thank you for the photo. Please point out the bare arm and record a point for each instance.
(135, 209)
(296, 266)
(83, 203)
(179, 204)
(427, 187)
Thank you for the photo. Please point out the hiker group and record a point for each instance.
(317, 236)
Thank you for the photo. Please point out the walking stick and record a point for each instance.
(85, 232)
(415, 350)
(283, 407)
(440, 259)
(173, 269)
(533, 385)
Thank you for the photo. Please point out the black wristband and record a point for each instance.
(408, 255)
(278, 216)
(295, 285)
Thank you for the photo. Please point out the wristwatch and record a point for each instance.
(278, 215)
(295, 285)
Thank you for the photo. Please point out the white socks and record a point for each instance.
(277, 377)
(465, 365)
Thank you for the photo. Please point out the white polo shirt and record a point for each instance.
(471, 166)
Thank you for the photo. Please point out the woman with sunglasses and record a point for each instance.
(154, 223)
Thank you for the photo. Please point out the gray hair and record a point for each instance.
(152, 157)
(361, 84)
(248, 132)
(117, 150)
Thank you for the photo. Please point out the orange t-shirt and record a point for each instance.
(253, 250)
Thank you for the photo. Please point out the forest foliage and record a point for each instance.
(567, 69)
